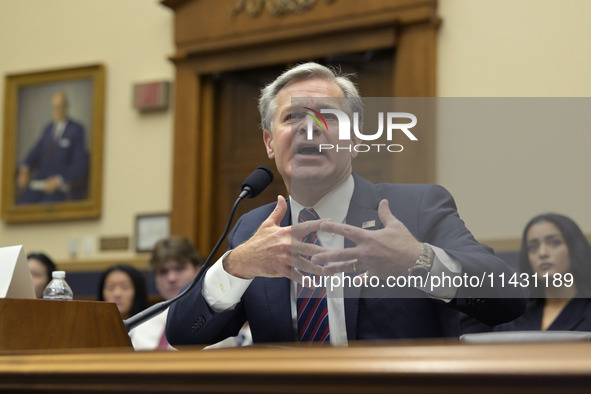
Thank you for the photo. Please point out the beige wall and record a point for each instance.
(132, 38)
(515, 48)
(500, 48)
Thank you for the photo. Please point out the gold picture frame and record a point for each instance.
(52, 170)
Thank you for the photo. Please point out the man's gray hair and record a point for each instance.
(268, 105)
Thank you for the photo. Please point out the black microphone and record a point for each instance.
(256, 182)
(253, 185)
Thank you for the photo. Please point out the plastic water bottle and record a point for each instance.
(58, 289)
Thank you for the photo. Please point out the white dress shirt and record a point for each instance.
(147, 335)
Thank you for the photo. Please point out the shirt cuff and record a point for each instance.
(221, 290)
(443, 264)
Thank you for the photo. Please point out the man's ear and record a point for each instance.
(268, 138)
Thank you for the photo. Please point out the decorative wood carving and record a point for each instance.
(274, 7)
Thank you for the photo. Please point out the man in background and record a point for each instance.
(174, 262)
(56, 168)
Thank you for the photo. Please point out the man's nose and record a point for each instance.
(172, 276)
(306, 126)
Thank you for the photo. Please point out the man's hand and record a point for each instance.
(52, 184)
(273, 251)
(391, 250)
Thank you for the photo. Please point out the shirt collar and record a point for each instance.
(334, 205)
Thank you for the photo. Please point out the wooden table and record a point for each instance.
(417, 367)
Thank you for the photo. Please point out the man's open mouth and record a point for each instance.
(308, 150)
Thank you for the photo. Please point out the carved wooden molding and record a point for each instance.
(275, 7)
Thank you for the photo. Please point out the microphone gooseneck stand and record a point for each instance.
(253, 185)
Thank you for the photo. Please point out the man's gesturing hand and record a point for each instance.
(391, 250)
(273, 250)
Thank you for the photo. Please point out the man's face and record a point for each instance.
(303, 167)
(58, 107)
(171, 276)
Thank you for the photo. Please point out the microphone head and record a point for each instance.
(257, 181)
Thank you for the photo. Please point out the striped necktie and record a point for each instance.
(311, 302)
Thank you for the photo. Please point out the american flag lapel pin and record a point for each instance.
(368, 224)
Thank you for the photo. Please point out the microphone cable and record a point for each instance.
(254, 184)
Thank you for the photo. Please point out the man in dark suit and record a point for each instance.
(56, 168)
(367, 231)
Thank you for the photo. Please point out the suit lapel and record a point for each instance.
(278, 295)
(363, 212)
(66, 131)
(286, 221)
(363, 209)
(278, 300)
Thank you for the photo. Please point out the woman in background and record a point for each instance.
(125, 286)
(555, 251)
(41, 267)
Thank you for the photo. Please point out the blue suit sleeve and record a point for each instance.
(440, 223)
(191, 321)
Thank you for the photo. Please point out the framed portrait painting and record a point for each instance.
(53, 145)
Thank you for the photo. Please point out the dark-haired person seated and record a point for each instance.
(555, 251)
(41, 267)
(126, 287)
(174, 261)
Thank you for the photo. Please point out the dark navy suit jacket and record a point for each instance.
(430, 214)
(66, 157)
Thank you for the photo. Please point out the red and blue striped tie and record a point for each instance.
(311, 301)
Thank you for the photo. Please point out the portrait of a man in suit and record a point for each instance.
(55, 168)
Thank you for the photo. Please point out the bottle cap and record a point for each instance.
(58, 274)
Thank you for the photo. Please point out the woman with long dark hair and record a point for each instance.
(555, 259)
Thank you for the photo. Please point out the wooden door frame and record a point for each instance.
(407, 26)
